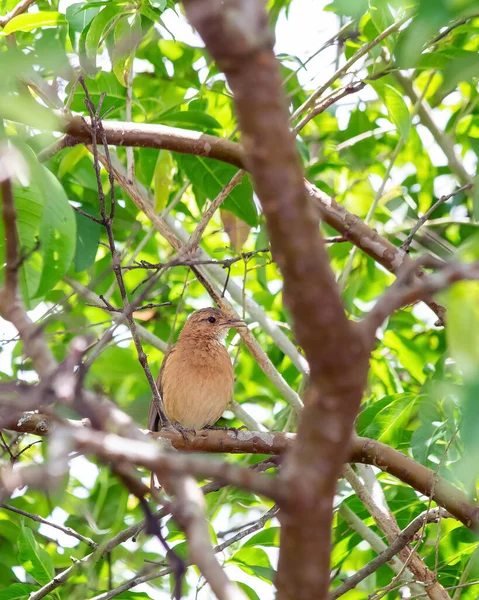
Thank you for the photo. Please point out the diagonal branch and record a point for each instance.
(401, 541)
(189, 511)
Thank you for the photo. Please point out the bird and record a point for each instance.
(196, 377)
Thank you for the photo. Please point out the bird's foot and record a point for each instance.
(226, 428)
(184, 431)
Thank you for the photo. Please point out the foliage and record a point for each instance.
(422, 388)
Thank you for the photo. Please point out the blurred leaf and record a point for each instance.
(250, 593)
(98, 25)
(87, 238)
(163, 178)
(397, 109)
(17, 591)
(57, 233)
(255, 562)
(236, 229)
(462, 302)
(195, 119)
(458, 69)
(266, 537)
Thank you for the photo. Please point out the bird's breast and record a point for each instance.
(197, 386)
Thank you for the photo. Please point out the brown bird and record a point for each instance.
(196, 377)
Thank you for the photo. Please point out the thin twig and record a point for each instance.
(210, 211)
(87, 215)
(97, 129)
(399, 543)
(407, 242)
(66, 530)
(342, 70)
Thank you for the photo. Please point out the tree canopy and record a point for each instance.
(143, 177)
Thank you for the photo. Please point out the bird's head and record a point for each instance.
(209, 323)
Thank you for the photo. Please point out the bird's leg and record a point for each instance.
(226, 428)
(184, 431)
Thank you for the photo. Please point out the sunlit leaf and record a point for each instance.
(29, 21)
(35, 560)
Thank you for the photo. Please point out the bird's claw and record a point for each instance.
(184, 431)
(226, 428)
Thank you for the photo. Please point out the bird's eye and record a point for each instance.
(211, 319)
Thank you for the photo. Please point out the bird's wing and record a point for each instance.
(153, 417)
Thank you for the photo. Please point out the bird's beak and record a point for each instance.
(235, 323)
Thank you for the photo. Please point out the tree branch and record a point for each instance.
(401, 541)
(364, 450)
(388, 525)
(189, 512)
(66, 530)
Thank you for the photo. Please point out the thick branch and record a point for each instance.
(142, 135)
(364, 450)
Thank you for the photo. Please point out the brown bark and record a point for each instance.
(142, 135)
(364, 450)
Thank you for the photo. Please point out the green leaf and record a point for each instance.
(30, 208)
(70, 159)
(397, 109)
(252, 595)
(266, 537)
(78, 20)
(150, 11)
(462, 301)
(57, 233)
(98, 25)
(211, 176)
(35, 560)
(127, 37)
(17, 591)
(29, 21)
(381, 15)
(254, 561)
(408, 353)
(386, 419)
(88, 236)
(43, 213)
(464, 68)
(160, 4)
(475, 199)
(163, 179)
